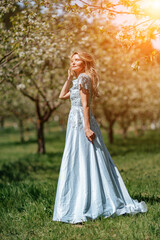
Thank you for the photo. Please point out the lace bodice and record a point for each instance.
(75, 97)
(76, 117)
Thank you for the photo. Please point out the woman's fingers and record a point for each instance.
(70, 74)
(69, 71)
(91, 136)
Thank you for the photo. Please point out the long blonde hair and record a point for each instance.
(89, 69)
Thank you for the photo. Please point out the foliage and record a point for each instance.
(34, 59)
(145, 13)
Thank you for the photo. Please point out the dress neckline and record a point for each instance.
(74, 79)
(78, 76)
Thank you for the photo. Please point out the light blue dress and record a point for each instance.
(89, 184)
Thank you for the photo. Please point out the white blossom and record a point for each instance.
(84, 27)
(101, 28)
(21, 86)
(135, 66)
(120, 35)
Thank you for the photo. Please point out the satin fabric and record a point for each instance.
(89, 183)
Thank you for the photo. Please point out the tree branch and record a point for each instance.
(138, 24)
(38, 108)
(47, 115)
(1, 81)
(27, 95)
(11, 52)
(8, 54)
(23, 91)
(17, 65)
(41, 93)
(108, 9)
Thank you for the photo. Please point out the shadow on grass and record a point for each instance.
(148, 198)
(18, 143)
(148, 143)
(22, 168)
(52, 137)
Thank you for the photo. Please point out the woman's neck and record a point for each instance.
(77, 74)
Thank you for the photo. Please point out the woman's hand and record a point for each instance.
(71, 73)
(90, 135)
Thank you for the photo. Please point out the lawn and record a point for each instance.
(28, 186)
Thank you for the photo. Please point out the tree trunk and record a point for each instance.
(21, 127)
(110, 132)
(125, 132)
(40, 135)
(2, 122)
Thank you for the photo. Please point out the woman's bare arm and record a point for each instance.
(84, 93)
(65, 94)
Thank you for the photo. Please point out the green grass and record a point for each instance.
(28, 186)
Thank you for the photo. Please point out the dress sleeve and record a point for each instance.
(84, 80)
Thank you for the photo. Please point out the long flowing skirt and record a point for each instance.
(89, 183)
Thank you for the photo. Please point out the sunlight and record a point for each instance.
(156, 4)
(152, 7)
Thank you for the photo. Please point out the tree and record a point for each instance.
(37, 46)
(14, 105)
(37, 65)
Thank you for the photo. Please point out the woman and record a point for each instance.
(89, 184)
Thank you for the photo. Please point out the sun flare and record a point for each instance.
(156, 4)
(152, 7)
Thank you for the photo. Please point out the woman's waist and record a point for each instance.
(75, 109)
(73, 106)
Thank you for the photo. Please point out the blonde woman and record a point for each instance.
(89, 184)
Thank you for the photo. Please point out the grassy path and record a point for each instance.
(28, 187)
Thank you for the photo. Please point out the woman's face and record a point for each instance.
(77, 64)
